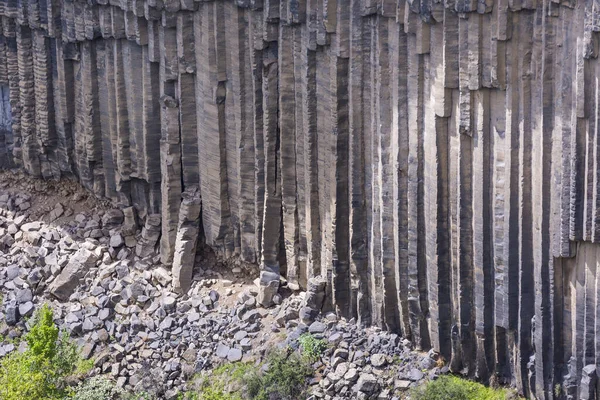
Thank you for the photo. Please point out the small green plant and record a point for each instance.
(40, 372)
(84, 367)
(312, 347)
(454, 388)
(557, 390)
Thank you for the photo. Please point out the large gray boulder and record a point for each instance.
(64, 285)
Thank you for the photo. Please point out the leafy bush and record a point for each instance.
(39, 372)
(283, 377)
(455, 388)
(312, 347)
(225, 383)
(43, 335)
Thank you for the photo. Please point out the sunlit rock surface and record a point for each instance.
(436, 162)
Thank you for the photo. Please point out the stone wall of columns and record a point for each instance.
(438, 163)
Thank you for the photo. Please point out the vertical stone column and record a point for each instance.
(170, 166)
(186, 95)
(29, 141)
(240, 75)
(121, 123)
(12, 71)
(417, 280)
(271, 235)
(151, 127)
(212, 135)
(358, 225)
(44, 105)
(108, 161)
(287, 161)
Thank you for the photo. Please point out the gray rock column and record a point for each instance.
(186, 239)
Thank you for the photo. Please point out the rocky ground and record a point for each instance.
(103, 278)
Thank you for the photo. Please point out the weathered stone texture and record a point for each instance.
(434, 163)
(65, 283)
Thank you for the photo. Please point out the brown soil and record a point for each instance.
(45, 194)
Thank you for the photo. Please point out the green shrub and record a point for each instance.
(312, 347)
(225, 383)
(43, 335)
(284, 378)
(39, 372)
(454, 388)
(214, 392)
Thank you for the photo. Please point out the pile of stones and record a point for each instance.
(104, 280)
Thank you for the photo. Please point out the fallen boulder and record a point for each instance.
(64, 285)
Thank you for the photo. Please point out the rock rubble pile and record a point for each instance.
(109, 290)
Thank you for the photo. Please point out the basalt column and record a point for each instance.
(436, 164)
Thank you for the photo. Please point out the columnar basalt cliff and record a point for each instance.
(436, 162)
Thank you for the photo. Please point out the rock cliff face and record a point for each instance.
(437, 162)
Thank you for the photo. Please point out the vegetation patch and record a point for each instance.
(98, 388)
(312, 347)
(282, 376)
(40, 371)
(450, 387)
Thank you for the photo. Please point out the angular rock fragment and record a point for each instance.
(367, 383)
(69, 278)
(150, 236)
(129, 220)
(114, 218)
(313, 299)
(268, 287)
(12, 314)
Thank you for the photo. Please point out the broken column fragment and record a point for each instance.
(186, 240)
(313, 299)
(587, 389)
(150, 236)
